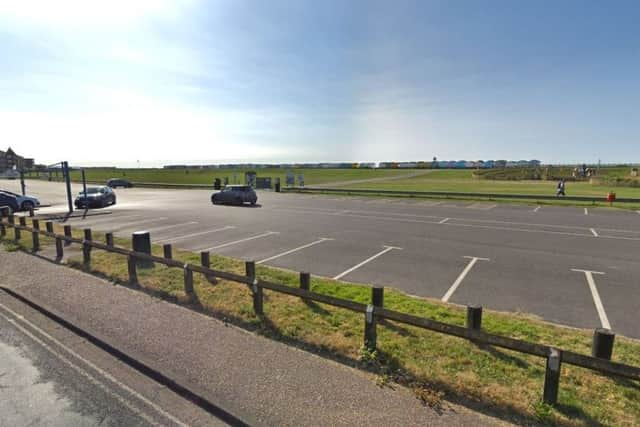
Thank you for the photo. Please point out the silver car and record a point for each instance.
(235, 194)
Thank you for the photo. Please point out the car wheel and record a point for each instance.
(27, 206)
(253, 202)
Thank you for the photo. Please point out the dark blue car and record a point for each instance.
(7, 200)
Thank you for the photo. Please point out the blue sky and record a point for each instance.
(211, 81)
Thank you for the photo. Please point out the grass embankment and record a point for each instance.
(463, 181)
(501, 382)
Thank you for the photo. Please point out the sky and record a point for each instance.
(154, 82)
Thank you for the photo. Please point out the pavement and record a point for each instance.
(574, 266)
(258, 381)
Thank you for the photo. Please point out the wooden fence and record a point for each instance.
(373, 313)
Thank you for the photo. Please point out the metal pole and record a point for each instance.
(84, 185)
(22, 182)
(67, 177)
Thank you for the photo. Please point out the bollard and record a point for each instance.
(59, 250)
(23, 221)
(167, 251)
(35, 235)
(67, 233)
(141, 242)
(133, 274)
(16, 232)
(552, 377)
(86, 247)
(474, 317)
(31, 212)
(3, 230)
(12, 219)
(188, 281)
(49, 226)
(108, 237)
(258, 305)
(602, 347)
(377, 297)
(305, 281)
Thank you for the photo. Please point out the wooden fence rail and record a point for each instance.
(374, 311)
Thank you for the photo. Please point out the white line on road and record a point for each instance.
(586, 211)
(167, 227)
(84, 373)
(596, 296)
(268, 233)
(594, 232)
(537, 208)
(142, 221)
(355, 267)
(444, 220)
(462, 275)
(299, 248)
(185, 236)
(101, 218)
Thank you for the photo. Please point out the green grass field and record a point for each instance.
(207, 176)
(386, 179)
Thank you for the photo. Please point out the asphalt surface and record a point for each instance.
(51, 377)
(509, 257)
(258, 381)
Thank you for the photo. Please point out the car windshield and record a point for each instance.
(91, 190)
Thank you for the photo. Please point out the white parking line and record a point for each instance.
(167, 227)
(594, 232)
(299, 248)
(537, 208)
(586, 211)
(596, 296)
(102, 218)
(268, 233)
(185, 236)
(355, 267)
(462, 275)
(444, 220)
(142, 221)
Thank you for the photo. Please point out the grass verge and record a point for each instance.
(500, 382)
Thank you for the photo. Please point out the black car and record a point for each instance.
(96, 197)
(235, 194)
(7, 200)
(117, 182)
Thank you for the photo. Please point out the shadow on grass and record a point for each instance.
(505, 357)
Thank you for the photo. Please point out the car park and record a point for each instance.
(25, 203)
(119, 182)
(96, 197)
(9, 201)
(236, 195)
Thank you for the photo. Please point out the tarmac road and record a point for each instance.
(568, 265)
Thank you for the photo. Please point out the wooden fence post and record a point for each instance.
(133, 273)
(370, 332)
(16, 230)
(188, 281)
(3, 230)
(109, 239)
(205, 261)
(59, 250)
(49, 226)
(552, 377)
(305, 281)
(67, 233)
(35, 235)
(166, 248)
(474, 317)
(86, 247)
(250, 271)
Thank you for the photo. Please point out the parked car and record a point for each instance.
(7, 200)
(25, 203)
(118, 182)
(235, 194)
(96, 197)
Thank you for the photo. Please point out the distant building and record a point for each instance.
(11, 160)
